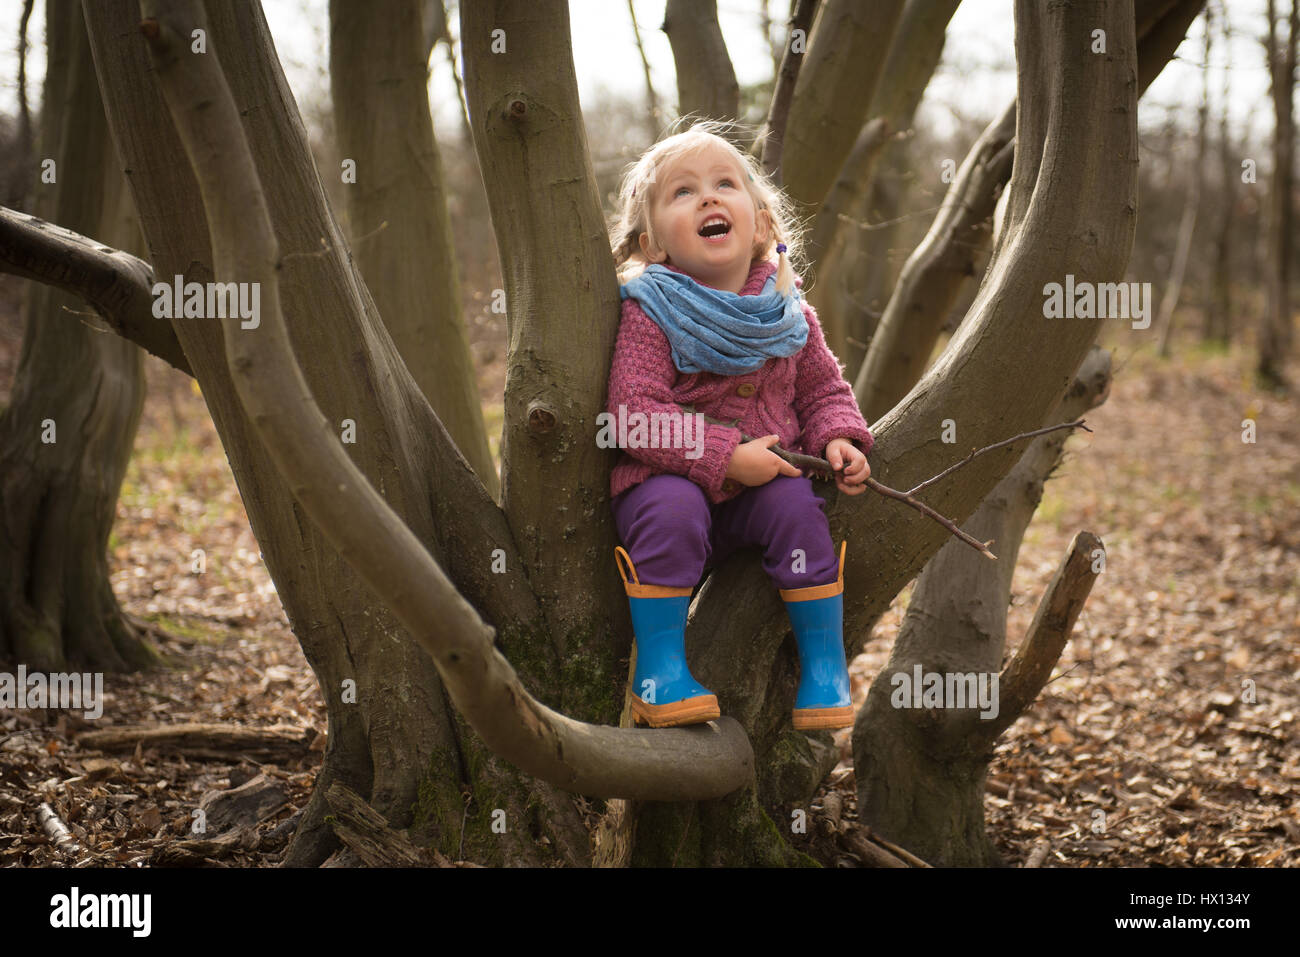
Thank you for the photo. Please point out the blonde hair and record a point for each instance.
(636, 196)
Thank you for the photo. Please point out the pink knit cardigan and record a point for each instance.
(803, 398)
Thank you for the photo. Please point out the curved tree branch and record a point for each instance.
(354, 370)
(693, 763)
(116, 284)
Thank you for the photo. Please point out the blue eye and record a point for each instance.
(727, 182)
(680, 190)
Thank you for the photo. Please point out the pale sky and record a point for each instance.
(975, 80)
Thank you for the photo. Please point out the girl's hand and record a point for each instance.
(752, 463)
(851, 468)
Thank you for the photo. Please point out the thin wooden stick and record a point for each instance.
(652, 100)
(824, 470)
(885, 490)
(56, 830)
(997, 445)
(901, 853)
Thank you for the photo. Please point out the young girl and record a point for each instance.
(712, 325)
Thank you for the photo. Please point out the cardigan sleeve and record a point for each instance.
(823, 400)
(641, 379)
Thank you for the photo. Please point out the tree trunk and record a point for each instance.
(706, 82)
(921, 771)
(551, 238)
(66, 435)
(397, 209)
(1275, 324)
(833, 227)
(398, 742)
(872, 266)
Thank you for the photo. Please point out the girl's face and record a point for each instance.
(704, 218)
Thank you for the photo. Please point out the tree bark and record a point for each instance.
(921, 771)
(66, 435)
(397, 209)
(706, 81)
(837, 235)
(366, 832)
(1275, 324)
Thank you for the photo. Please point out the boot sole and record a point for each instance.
(822, 719)
(695, 710)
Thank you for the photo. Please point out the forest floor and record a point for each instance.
(1167, 736)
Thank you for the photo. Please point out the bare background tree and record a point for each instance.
(1275, 334)
(66, 434)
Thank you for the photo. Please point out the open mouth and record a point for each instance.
(715, 228)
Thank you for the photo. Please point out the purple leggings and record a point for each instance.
(671, 531)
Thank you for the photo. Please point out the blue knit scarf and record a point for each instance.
(711, 330)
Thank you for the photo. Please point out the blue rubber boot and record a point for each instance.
(664, 693)
(817, 615)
